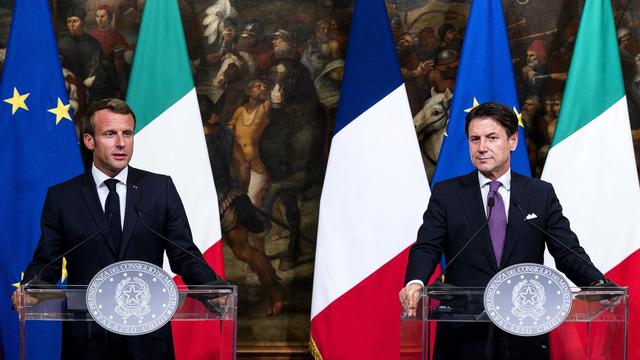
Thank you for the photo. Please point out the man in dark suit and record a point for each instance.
(113, 196)
(459, 207)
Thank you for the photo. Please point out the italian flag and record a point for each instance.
(592, 167)
(169, 140)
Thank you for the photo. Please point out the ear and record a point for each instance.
(89, 141)
(513, 141)
(448, 94)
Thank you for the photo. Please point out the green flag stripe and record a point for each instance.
(161, 74)
(595, 78)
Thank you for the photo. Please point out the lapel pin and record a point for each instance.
(532, 216)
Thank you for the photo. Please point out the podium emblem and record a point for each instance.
(527, 299)
(132, 297)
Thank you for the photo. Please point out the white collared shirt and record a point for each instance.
(121, 188)
(504, 190)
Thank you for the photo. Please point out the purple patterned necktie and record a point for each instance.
(497, 221)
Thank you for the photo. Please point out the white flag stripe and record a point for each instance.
(174, 144)
(366, 157)
(596, 165)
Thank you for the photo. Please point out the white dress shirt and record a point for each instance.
(504, 190)
(121, 188)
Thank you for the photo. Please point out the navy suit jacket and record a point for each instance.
(72, 212)
(455, 212)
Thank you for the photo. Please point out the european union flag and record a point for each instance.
(39, 148)
(485, 74)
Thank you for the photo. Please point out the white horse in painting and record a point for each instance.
(430, 124)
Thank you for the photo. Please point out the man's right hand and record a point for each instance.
(409, 298)
(15, 299)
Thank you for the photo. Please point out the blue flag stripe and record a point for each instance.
(377, 71)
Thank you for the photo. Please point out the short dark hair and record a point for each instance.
(503, 115)
(78, 12)
(114, 105)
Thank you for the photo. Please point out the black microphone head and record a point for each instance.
(491, 201)
(136, 208)
(516, 203)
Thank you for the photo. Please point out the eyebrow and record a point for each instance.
(489, 134)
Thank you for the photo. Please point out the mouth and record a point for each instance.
(120, 156)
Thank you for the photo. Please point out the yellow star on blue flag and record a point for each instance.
(475, 104)
(519, 115)
(61, 111)
(17, 284)
(17, 101)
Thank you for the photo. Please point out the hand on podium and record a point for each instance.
(409, 298)
(15, 299)
(605, 298)
(214, 302)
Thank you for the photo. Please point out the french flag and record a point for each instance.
(374, 194)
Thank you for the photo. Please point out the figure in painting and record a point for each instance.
(443, 76)
(414, 66)
(85, 59)
(114, 46)
(292, 144)
(238, 217)
(320, 49)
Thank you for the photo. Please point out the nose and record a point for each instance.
(120, 140)
(482, 146)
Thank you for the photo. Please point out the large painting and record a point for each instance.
(268, 76)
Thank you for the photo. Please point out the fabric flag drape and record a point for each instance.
(485, 74)
(374, 194)
(592, 167)
(39, 148)
(169, 139)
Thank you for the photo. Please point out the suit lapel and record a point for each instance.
(471, 199)
(90, 195)
(130, 218)
(515, 222)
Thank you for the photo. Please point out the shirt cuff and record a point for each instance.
(416, 282)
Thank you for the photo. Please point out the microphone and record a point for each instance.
(138, 211)
(203, 298)
(536, 226)
(37, 280)
(491, 201)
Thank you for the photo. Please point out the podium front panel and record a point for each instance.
(450, 320)
(204, 326)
